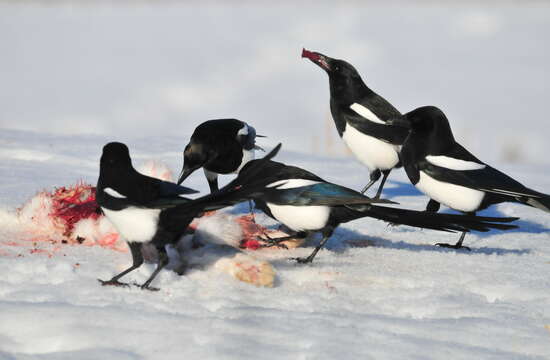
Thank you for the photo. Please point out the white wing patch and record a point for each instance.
(292, 183)
(114, 193)
(452, 163)
(366, 113)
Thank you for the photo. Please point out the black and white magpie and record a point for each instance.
(144, 209)
(361, 118)
(305, 203)
(221, 146)
(450, 175)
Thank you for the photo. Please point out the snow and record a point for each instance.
(74, 79)
(375, 292)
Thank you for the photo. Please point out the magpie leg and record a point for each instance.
(433, 206)
(212, 183)
(163, 261)
(309, 259)
(251, 209)
(456, 246)
(137, 260)
(374, 176)
(385, 174)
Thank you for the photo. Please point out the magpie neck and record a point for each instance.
(346, 91)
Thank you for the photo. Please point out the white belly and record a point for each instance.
(301, 218)
(248, 155)
(374, 153)
(134, 224)
(454, 196)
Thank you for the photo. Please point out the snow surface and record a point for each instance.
(147, 75)
(375, 292)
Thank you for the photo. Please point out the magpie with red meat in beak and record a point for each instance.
(360, 116)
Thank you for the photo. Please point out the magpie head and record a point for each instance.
(195, 156)
(246, 136)
(115, 156)
(427, 120)
(345, 81)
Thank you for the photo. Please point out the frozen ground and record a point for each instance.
(74, 77)
(375, 292)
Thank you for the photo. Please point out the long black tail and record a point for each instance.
(505, 188)
(540, 201)
(435, 221)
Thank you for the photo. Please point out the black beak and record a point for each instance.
(257, 147)
(400, 122)
(318, 59)
(185, 172)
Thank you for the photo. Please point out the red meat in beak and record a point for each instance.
(317, 58)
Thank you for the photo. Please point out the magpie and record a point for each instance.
(148, 210)
(450, 175)
(220, 146)
(360, 116)
(305, 203)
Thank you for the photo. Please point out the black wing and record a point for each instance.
(272, 171)
(322, 193)
(384, 111)
(158, 194)
(487, 179)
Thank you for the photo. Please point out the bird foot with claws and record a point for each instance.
(455, 246)
(300, 260)
(146, 287)
(113, 283)
(270, 242)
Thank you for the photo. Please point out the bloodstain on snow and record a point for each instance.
(68, 215)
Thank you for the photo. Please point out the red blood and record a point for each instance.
(251, 244)
(73, 204)
(251, 231)
(310, 55)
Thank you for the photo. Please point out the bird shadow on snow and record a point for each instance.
(345, 239)
(401, 189)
